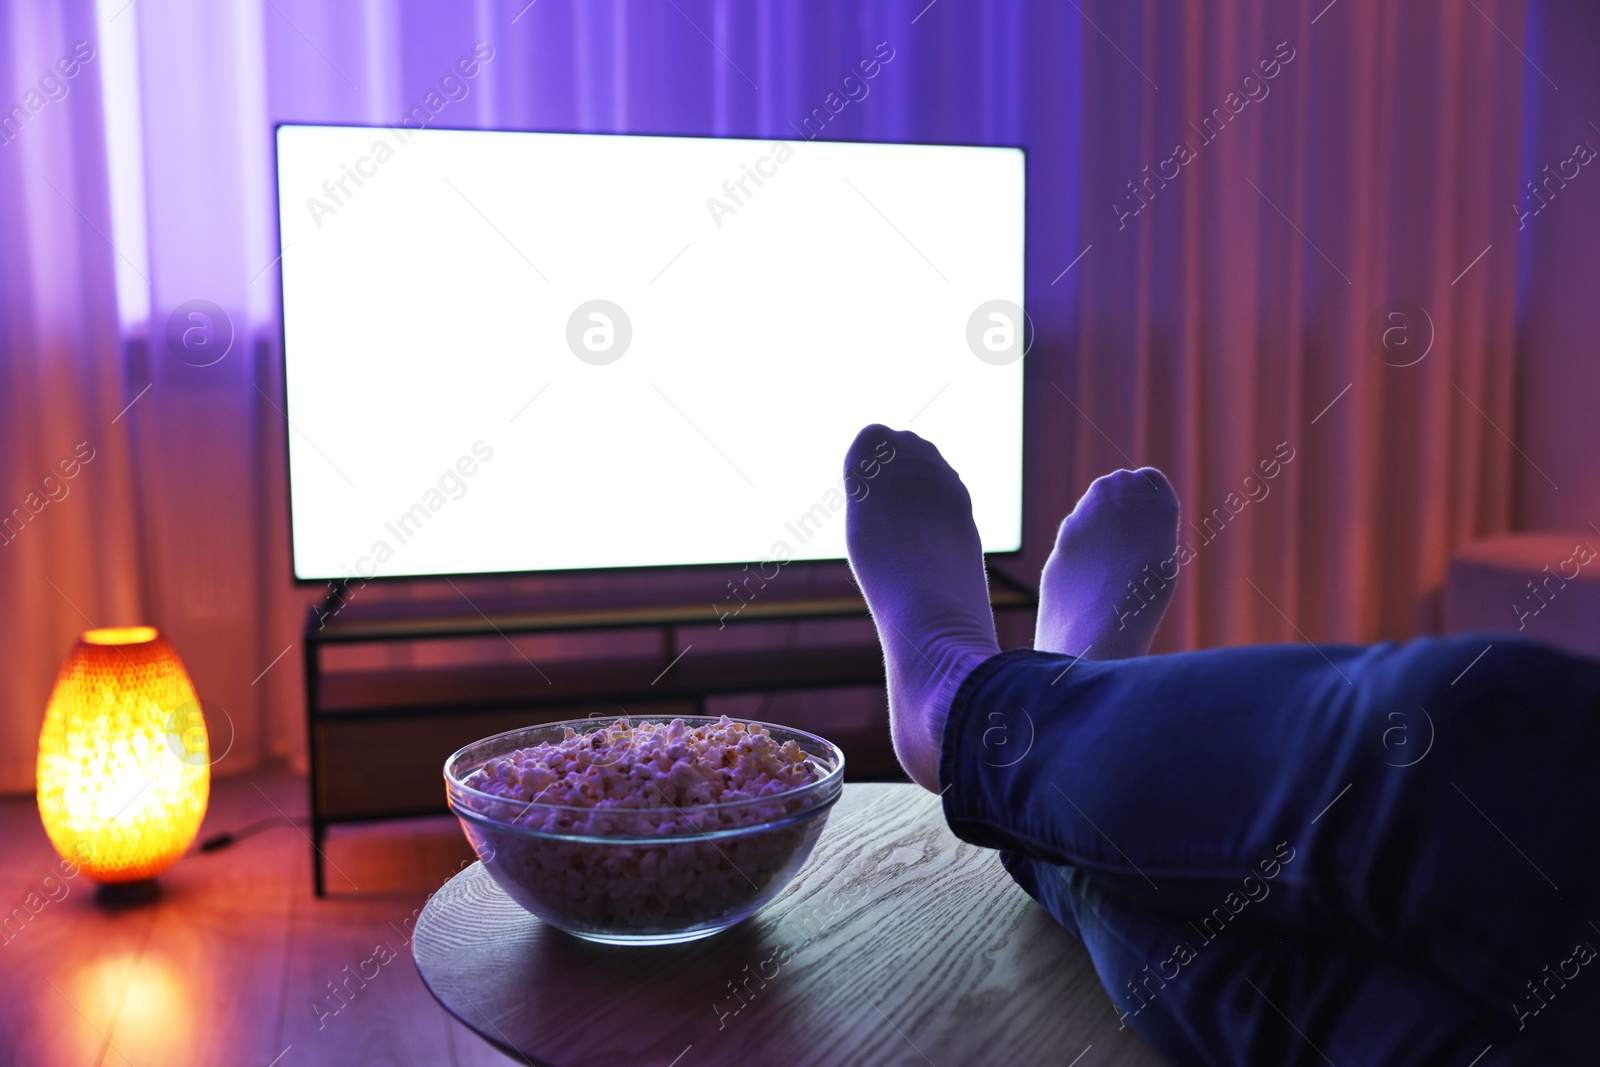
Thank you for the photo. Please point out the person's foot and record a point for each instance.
(1109, 579)
(918, 559)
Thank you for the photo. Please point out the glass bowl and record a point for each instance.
(637, 875)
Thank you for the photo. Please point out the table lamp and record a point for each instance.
(123, 771)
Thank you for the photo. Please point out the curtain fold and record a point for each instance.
(69, 538)
(1239, 307)
(1209, 316)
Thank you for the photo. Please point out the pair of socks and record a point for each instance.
(916, 554)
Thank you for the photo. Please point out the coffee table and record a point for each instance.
(896, 944)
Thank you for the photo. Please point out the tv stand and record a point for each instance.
(377, 739)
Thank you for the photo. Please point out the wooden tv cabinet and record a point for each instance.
(378, 739)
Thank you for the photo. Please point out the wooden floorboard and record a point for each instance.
(225, 966)
(208, 984)
(66, 976)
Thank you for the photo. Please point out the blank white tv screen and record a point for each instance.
(512, 352)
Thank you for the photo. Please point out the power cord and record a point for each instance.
(229, 837)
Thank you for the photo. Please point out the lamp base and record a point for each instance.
(126, 894)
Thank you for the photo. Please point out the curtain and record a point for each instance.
(1325, 269)
(1213, 316)
(70, 553)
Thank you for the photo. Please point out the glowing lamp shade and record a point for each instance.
(124, 772)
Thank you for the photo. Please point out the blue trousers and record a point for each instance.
(1353, 855)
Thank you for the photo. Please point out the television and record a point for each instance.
(510, 352)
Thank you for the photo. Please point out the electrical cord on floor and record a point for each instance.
(229, 837)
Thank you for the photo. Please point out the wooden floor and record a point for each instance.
(232, 964)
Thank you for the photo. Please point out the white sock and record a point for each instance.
(1111, 575)
(917, 556)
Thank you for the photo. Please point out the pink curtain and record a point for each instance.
(1209, 332)
(1340, 165)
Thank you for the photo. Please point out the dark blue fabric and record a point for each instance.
(1275, 852)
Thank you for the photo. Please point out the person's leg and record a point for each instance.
(1111, 574)
(917, 557)
(1260, 787)
(1251, 998)
(1251, 787)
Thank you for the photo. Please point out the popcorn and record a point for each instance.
(659, 768)
(670, 783)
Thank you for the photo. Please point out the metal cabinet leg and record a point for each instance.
(319, 834)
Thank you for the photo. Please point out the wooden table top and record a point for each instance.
(895, 944)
